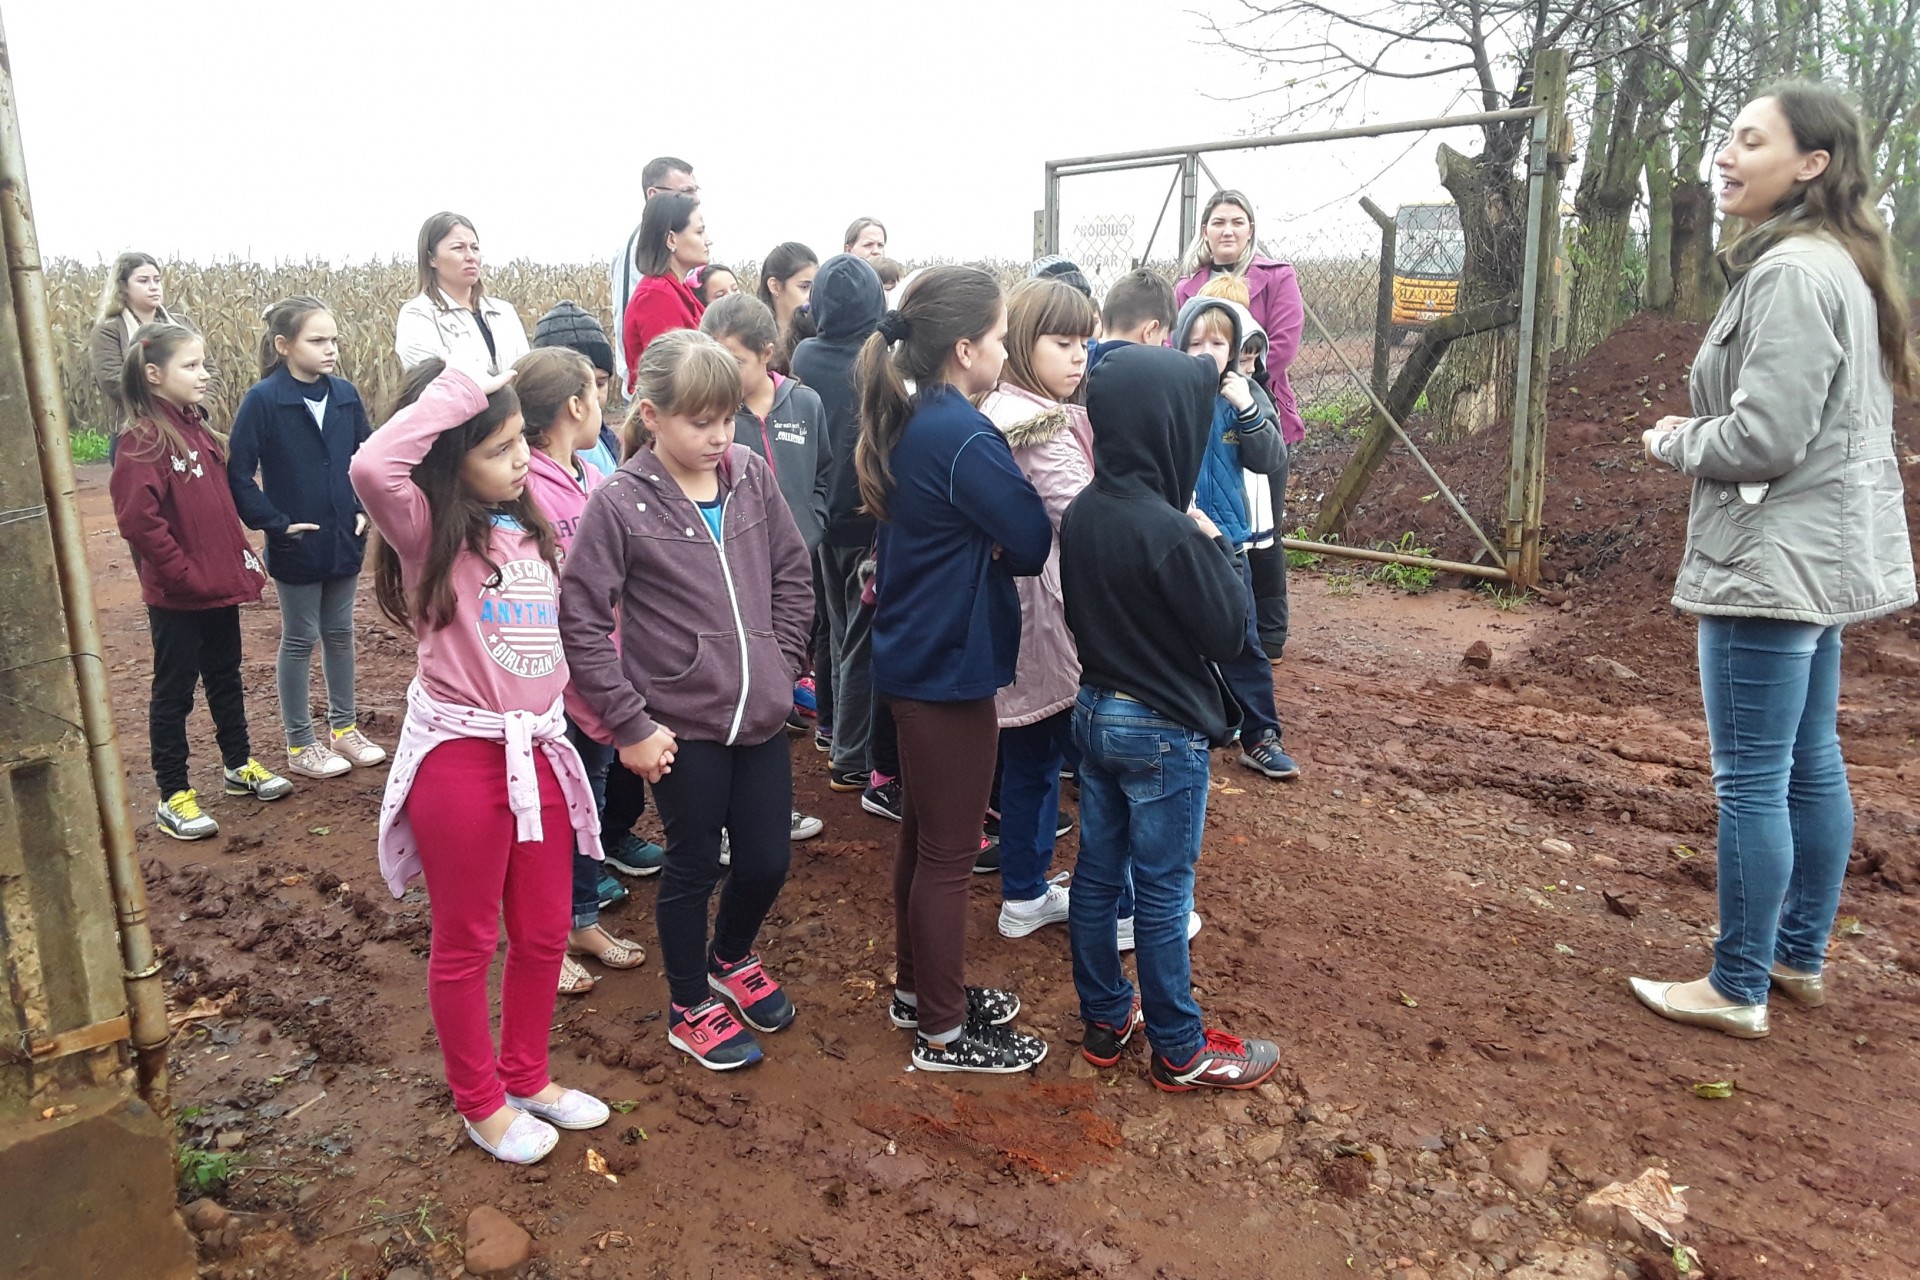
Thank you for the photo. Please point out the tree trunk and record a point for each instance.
(1609, 185)
(1473, 387)
(1659, 169)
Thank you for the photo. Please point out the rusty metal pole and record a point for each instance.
(146, 1001)
(1547, 162)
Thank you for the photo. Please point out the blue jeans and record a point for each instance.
(597, 757)
(1772, 693)
(1030, 759)
(1249, 675)
(1143, 805)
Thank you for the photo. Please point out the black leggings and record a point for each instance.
(194, 646)
(748, 792)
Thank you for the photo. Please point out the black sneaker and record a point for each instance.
(823, 738)
(1266, 756)
(1223, 1062)
(987, 1006)
(987, 861)
(883, 799)
(991, 827)
(996, 1051)
(848, 779)
(1103, 1045)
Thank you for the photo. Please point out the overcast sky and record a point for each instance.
(213, 128)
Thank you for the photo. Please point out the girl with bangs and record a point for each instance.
(1036, 407)
(691, 554)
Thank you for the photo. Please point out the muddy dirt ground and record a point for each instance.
(1436, 923)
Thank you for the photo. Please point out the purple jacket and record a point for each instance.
(712, 633)
(1274, 295)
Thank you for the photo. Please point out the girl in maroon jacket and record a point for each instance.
(691, 553)
(196, 568)
(671, 243)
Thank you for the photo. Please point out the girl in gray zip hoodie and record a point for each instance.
(691, 553)
(1797, 528)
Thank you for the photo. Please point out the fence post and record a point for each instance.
(1383, 303)
(1049, 231)
(1547, 159)
(1189, 201)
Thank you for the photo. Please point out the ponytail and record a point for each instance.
(285, 319)
(148, 428)
(943, 307)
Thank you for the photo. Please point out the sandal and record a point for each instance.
(615, 953)
(574, 978)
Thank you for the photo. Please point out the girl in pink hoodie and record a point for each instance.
(485, 796)
(562, 411)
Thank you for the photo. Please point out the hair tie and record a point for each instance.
(894, 327)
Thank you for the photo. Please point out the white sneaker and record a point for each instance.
(574, 1110)
(726, 848)
(357, 747)
(1018, 919)
(805, 827)
(317, 760)
(179, 816)
(1126, 929)
(526, 1141)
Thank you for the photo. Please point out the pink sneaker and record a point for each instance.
(762, 1004)
(712, 1036)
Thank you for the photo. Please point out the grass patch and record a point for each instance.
(1305, 559)
(89, 445)
(204, 1173)
(1407, 577)
(1503, 599)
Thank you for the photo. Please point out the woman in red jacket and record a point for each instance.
(196, 567)
(672, 241)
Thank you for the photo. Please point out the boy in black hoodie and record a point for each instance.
(846, 304)
(1155, 603)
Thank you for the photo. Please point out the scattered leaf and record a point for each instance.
(1849, 927)
(1683, 1260)
(1561, 948)
(293, 880)
(1409, 1001)
(60, 1112)
(623, 1106)
(1685, 851)
(597, 1163)
(1714, 1088)
(612, 1239)
(319, 831)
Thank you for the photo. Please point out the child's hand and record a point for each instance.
(294, 530)
(1207, 526)
(1234, 387)
(652, 756)
(494, 381)
(360, 524)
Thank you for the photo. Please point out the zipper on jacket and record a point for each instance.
(739, 625)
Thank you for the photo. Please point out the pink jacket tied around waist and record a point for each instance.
(431, 722)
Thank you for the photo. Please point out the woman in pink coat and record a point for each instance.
(1227, 242)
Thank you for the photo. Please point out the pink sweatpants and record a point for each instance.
(476, 872)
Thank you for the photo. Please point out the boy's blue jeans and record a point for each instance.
(1143, 805)
(1772, 695)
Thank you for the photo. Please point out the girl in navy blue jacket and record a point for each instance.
(957, 522)
(299, 428)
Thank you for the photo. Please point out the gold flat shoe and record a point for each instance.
(1809, 989)
(1743, 1021)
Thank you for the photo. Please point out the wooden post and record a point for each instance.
(1547, 159)
(1383, 302)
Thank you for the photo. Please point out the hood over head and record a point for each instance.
(1183, 326)
(847, 300)
(1151, 409)
(1248, 327)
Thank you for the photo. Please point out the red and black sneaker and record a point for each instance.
(1103, 1045)
(1224, 1062)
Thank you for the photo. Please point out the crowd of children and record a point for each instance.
(973, 542)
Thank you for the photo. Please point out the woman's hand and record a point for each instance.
(652, 756)
(1654, 439)
(492, 382)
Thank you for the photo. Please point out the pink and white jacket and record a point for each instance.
(1053, 445)
(496, 670)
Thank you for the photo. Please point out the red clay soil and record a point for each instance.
(1436, 923)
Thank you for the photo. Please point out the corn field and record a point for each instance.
(227, 299)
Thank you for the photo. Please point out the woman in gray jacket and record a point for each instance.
(1797, 528)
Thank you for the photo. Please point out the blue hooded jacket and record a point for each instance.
(1237, 440)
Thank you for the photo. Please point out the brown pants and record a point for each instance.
(946, 771)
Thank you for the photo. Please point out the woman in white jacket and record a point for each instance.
(453, 318)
